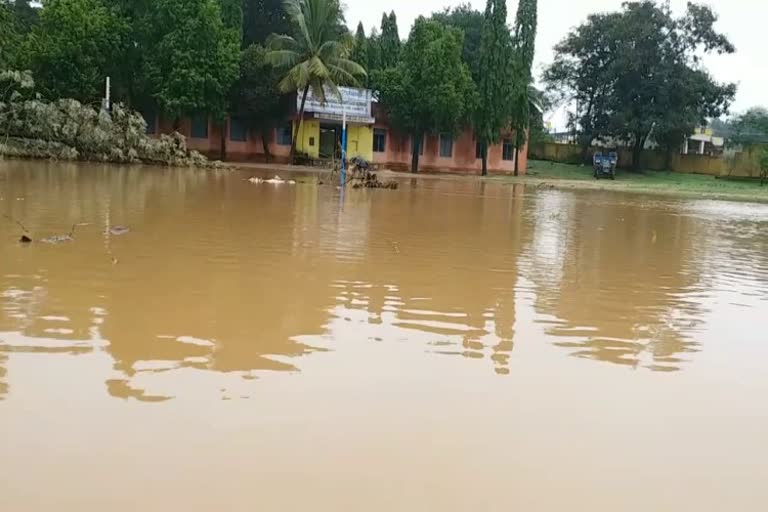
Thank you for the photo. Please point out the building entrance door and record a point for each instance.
(330, 141)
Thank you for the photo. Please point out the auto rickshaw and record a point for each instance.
(604, 165)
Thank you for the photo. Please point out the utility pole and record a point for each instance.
(107, 102)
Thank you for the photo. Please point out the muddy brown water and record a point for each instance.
(453, 345)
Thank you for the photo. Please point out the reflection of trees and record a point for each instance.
(447, 273)
(616, 282)
(201, 282)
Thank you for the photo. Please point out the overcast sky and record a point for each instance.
(742, 20)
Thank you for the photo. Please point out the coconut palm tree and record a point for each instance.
(317, 55)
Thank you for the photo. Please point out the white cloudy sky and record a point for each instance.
(742, 20)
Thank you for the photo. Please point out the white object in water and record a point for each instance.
(256, 180)
(276, 180)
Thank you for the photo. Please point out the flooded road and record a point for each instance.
(453, 345)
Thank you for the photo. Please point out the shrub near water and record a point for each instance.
(66, 129)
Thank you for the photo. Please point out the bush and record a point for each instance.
(67, 129)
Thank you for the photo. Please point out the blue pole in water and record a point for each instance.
(344, 150)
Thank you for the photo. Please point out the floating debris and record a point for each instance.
(120, 230)
(277, 180)
(24, 238)
(57, 239)
(370, 180)
(60, 239)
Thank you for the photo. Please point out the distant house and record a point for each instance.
(703, 142)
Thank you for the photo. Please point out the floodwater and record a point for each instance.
(453, 345)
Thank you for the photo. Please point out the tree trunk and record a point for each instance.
(223, 149)
(176, 123)
(265, 145)
(520, 140)
(415, 150)
(484, 156)
(585, 153)
(517, 158)
(637, 150)
(298, 124)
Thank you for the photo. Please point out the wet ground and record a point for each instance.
(195, 342)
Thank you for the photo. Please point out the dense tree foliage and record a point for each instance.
(635, 74)
(256, 96)
(262, 18)
(389, 41)
(749, 128)
(524, 48)
(469, 21)
(431, 89)
(192, 57)
(74, 47)
(360, 50)
(494, 85)
(317, 58)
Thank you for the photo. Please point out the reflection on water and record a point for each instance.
(450, 346)
(221, 277)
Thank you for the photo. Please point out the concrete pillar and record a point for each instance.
(702, 147)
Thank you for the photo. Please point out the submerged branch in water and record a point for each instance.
(17, 222)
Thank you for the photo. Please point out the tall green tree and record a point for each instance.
(257, 96)
(262, 18)
(26, 15)
(374, 55)
(232, 17)
(431, 89)
(9, 36)
(494, 85)
(360, 49)
(524, 48)
(582, 75)
(647, 82)
(74, 47)
(192, 57)
(317, 57)
(471, 22)
(389, 41)
(749, 128)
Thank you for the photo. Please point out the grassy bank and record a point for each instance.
(654, 182)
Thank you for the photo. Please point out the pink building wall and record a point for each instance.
(397, 154)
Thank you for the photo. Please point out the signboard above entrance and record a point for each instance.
(355, 102)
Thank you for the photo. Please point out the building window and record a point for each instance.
(446, 145)
(237, 130)
(284, 136)
(200, 127)
(508, 150)
(379, 140)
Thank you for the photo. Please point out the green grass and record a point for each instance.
(649, 181)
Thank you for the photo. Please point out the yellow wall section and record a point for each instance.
(309, 132)
(360, 141)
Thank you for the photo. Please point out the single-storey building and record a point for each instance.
(369, 135)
